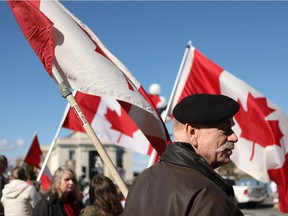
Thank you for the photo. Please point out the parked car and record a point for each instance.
(248, 191)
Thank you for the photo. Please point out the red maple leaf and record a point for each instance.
(255, 127)
(122, 123)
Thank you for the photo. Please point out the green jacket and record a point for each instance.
(89, 210)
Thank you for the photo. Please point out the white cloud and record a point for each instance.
(20, 142)
(7, 145)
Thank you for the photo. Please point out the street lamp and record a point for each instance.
(159, 101)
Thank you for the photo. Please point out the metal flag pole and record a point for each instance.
(66, 93)
(43, 166)
(169, 105)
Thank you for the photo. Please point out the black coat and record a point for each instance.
(50, 205)
(181, 184)
(3, 181)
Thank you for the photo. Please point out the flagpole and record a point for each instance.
(66, 93)
(164, 114)
(169, 105)
(43, 166)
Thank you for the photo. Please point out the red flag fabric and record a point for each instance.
(60, 39)
(155, 99)
(34, 158)
(110, 122)
(261, 126)
(34, 154)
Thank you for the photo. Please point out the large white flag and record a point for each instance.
(63, 42)
(261, 126)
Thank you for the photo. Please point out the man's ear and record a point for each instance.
(192, 134)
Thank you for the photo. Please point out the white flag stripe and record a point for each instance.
(75, 56)
(118, 63)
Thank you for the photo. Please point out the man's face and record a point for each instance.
(67, 182)
(216, 142)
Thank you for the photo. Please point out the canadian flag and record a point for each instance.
(110, 122)
(261, 126)
(34, 158)
(66, 45)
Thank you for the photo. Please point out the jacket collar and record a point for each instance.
(183, 154)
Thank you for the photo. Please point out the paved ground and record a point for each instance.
(267, 208)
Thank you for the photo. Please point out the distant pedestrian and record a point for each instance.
(19, 197)
(62, 197)
(104, 198)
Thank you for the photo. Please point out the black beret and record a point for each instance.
(205, 108)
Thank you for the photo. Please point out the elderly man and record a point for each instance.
(184, 182)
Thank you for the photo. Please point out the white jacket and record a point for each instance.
(19, 198)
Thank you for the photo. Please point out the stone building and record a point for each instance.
(78, 151)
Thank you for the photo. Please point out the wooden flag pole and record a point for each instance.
(66, 93)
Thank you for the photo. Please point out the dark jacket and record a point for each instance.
(50, 205)
(3, 181)
(181, 184)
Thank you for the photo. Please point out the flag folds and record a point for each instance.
(261, 126)
(34, 158)
(66, 45)
(61, 40)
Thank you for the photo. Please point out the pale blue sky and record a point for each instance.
(248, 39)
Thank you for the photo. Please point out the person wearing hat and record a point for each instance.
(184, 182)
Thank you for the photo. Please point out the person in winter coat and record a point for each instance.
(19, 198)
(104, 198)
(184, 182)
(62, 197)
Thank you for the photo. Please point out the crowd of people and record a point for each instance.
(63, 198)
(182, 183)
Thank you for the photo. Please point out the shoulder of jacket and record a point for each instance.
(89, 210)
(50, 198)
